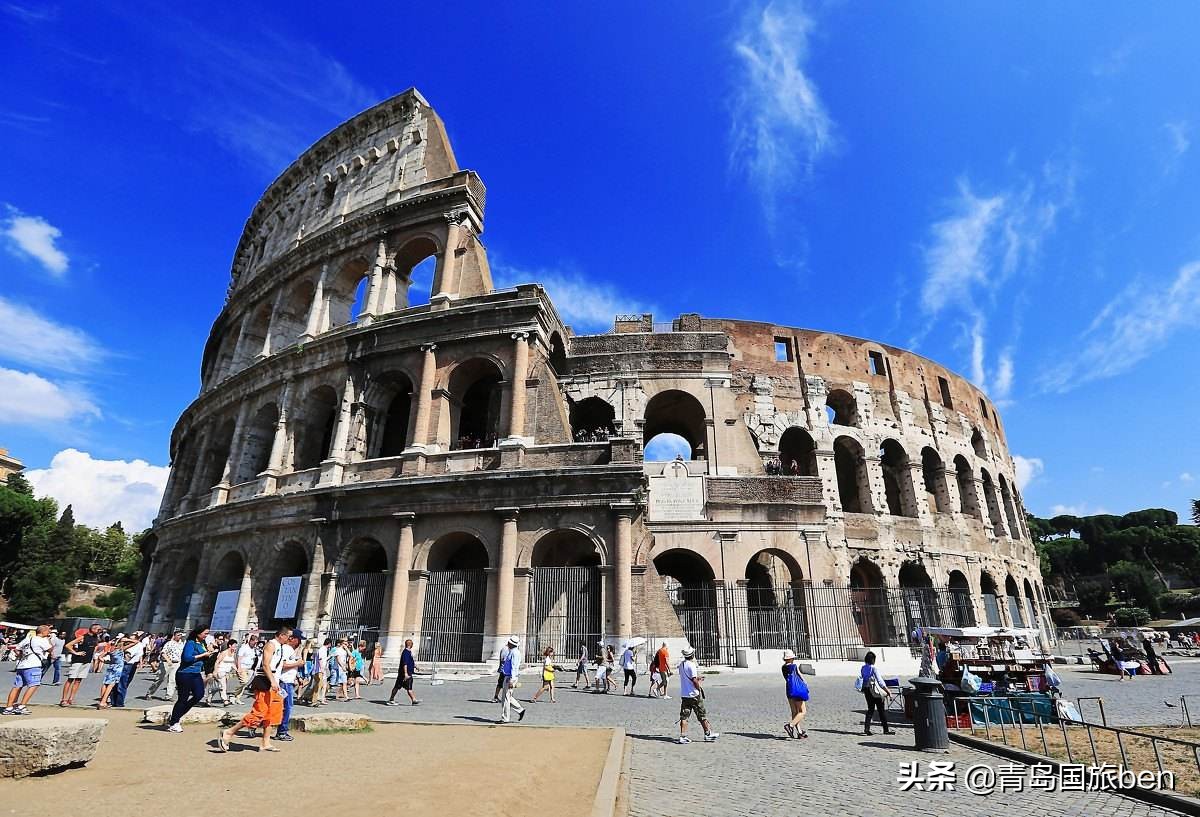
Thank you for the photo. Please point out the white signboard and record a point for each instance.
(289, 595)
(224, 610)
(676, 496)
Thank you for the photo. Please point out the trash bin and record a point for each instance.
(929, 716)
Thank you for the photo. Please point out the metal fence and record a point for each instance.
(563, 611)
(452, 622)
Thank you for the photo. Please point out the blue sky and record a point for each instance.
(1013, 190)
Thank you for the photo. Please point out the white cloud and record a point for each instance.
(780, 126)
(1026, 470)
(587, 306)
(34, 237)
(31, 338)
(1186, 477)
(1178, 136)
(103, 491)
(1003, 382)
(1129, 329)
(29, 399)
(959, 257)
(1081, 509)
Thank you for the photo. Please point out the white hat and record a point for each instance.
(513, 640)
(788, 655)
(688, 652)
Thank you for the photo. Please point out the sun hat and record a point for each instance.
(688, 652)
(788, 655)
(513, 640)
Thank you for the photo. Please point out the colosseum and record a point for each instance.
(452, 463)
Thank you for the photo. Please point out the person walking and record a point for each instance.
(374, 659)
(267, 709)
(581, 668)
(135, 651)
(510, 667)
(33, 656)
(662, 659)
(56, 651)
(405, 675)
(547, 676)
(320, 679)
(82, 650)
(247, 657)
(226, 661)
(289, 673)
(357, 666)
(629, 664)
(115, 661)
(339, 658)
(168, 665)
(189, 678)
(691, 698)
(797, 696)
(875, 693)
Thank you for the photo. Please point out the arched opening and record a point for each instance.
(933, 476)
(388, 412)
(214, 459)
(181, 592)
(968, 501)
(592, 420)
(288, 571)
(416, 265)
(253, 343)
(475, 404)
(558, 355)
(775, 602)
(667, 447)
(564, 593)
(991, 600)
(977, 444)
(1033, 612)
(897, 479)
(689, 583)
(869, 604)
(314, 432)
(993, 505)
(960, 599)
(455, 599)
(1010, 513)
(678, 413)
(183, 466)
(920, 598)
(841, 409)
(854, 487)
(291, 319)
(257, 440)
(1015, 614)
(226, 583)
(347, 293)
(361, 585)
(797, 453)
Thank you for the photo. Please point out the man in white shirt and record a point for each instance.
(691, 698)
(510, 667)
(629, 664)
(289, 671)
(32, 656)
(134, 653)
(168, 663)
(247, 656)
(56, 650)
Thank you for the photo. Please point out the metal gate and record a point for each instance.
(776, 620)
(452, 621)
(358, 605)
(564, 610)
(696, 609)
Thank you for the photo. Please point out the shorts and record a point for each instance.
(27, 677)
(336, 677)
(77, 672)
(407, 683)
(689, 705)
(354, 674)
(267, 708)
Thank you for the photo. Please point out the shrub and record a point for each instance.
(1131, 616)
(1065, 617)
(84, 611)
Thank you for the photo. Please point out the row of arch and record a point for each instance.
(841, 408)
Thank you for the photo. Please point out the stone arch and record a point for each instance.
(991, 599)
(362, 577)
(897, 479)
(687, 567)
(1010, 513)
(457, 550)
(968, 499)
(388, 413)
(977, 444)
(592, 419)
(1032, 608)
(869, 603)
(558, 355)
(257, 440)
(798, 453)
(775, 602)
(920, 598)
(959, 588)
(854, 486)
(182, 589)
(426, 556)
(314, 427)
(346, 292)
(184, 461)
(455, 605)
(1016, 615)
(363, 554)
(676, 412)
(841, 408)
(283, 559)
(933, 478)
(475, 403)
(290, 320)
(565, 547)
(565, 591)
(255, 331)
(993, 505)
(415, 263)
(212, 463)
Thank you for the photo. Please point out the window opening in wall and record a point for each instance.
(327, 193)
(983, 408)
(944, 388)
(783, 350)
(360, 299)
(422, 281)
(878, 367)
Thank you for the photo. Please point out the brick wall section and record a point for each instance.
(764, 490)
(654, 615)
(552, 424)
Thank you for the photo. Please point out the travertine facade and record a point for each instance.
(468, 467)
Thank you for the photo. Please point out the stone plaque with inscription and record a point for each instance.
(676, 496)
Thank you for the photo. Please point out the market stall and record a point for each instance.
(987, 664)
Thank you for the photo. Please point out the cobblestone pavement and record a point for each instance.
(752, 769)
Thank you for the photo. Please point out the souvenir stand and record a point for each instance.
(1010, 665)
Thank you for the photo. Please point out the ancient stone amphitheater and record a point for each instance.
(451, 463)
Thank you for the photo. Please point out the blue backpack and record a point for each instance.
(796, 686)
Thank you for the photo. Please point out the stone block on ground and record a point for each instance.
(46, 744)
(198, 714)
(331, 720)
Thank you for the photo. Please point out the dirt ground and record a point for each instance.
(467, 769)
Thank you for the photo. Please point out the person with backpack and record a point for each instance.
(797, 696)
(33, 657)
(874, 691)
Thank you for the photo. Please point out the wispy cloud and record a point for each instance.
(30, 338)
(586, 305)
(1186, 477)
(30, 15)
(1026, 470)
(1178, 136)
(28, 399)
(780, 126)
(1129, 329)
(33, 237)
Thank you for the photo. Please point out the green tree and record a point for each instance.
(1093, 595)
(1136, 585)
(37, 592)
(116, 604)
(1131, 616)
(24, 521)
(1064, 524)
(1149, 518)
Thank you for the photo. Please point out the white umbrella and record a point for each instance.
(636, 641)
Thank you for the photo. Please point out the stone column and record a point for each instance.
(149, 588)
(266, 349)
(397, 601)
(275, 462)
(827, 471)
(198, 471)
(520, 373)
(221, 489)
(871, 491)
(332, 468)
(420, 437)
(375, 286)
(916, 477)
(241, 615)
(623, 566)
(316, 312)
(240, 358)
(445, 277)
(505, 576)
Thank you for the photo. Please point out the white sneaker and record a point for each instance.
(8, 710)
(175, 727)
(666, 697)
(711, 736)
(682, 739)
